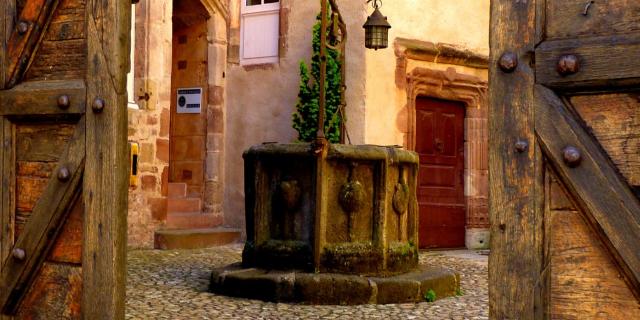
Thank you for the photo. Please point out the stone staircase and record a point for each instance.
(187, 227)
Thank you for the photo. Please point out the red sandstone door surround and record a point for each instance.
(440, 144)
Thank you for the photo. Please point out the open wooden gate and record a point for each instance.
(64, 158)
(565, 159)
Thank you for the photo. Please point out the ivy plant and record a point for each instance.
(305, 118)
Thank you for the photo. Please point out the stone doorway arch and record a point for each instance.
(449, 72)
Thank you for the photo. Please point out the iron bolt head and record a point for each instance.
(63, 174)
(19, 254)
(64, 102)
(98, 105)
(572, 156)
(568, 64)
(23, 27)
(508, 62)
(521, 146)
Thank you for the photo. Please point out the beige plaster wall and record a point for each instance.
(261, 99)
(464, 23)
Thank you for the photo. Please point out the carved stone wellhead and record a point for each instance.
(359, 216)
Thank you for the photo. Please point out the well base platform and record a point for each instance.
(331, 288)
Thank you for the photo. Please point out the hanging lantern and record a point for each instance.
(376, 29)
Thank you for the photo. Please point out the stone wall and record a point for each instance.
(149, 125)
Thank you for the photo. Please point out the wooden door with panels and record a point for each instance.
(565, 159)
(440, 145)
(64, 158)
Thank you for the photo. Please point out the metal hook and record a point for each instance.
(587, 7)
(377, 4)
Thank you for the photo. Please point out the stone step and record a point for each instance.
(177, 190)
(183, 205)
(195, 238)
(192, 220)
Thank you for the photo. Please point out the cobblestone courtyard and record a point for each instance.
(173, 285)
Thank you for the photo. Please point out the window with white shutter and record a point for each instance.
(259, 31)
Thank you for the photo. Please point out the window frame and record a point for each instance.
(252, 11)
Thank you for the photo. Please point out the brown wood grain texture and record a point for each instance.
(31, 181)
(62, 54)
(566, 18)
(5, 226)
(8, 187)
(516, 228)
(42, 142)
(585, 282)
(41, 98)
(604, 61)
(55, 294)
(21, 47)
(7, 12)
(68, 246)
(614, 119)
(596, 185)
(107, 167)
(44, 225)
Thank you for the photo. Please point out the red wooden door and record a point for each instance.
(440, 144)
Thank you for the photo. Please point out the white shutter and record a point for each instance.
(260, 32)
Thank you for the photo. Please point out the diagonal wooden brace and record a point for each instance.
(599, 188)
(41, 230)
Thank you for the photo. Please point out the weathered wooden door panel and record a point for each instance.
(614, 120)
(63, 161)
(584, 279)
(564, 162)
(576, 18)
(440, 144)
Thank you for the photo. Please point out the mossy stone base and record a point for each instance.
(331, 288)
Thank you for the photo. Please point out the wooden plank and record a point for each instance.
(43, 227)
(68, 247)
(614, 119)
(7, 12)
(597, 187)
(585, 282)
(62, 53)
(55, 294)
(8, 187)
(41, 142)
(7, 192)
(5, 228)
(21, 47)
(105, 195)
(604, 62)
(41, 98)
(516, 241)
(566, 18)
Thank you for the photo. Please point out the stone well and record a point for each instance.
(334, 224)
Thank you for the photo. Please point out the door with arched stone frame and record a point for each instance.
(440, 145)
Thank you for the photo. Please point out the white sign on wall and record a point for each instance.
(189, 100)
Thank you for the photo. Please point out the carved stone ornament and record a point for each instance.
(401, 198)
(290, 193)
(351, 196)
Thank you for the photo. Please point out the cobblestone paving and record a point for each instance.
(173, 285)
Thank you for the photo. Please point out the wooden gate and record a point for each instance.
(64, 158)
(565, 159)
